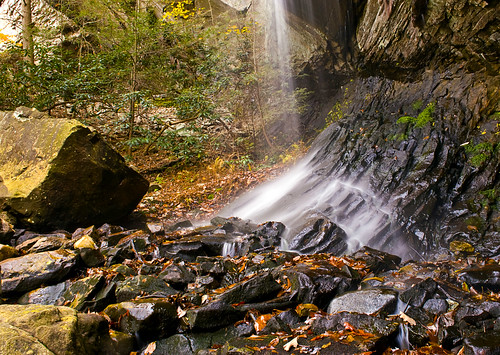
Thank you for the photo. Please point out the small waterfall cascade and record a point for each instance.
(305, 193)
(403, 338)
(233, 247)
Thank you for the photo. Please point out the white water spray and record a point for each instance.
(278, 41)
(304, 193)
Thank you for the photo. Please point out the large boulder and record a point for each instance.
(37, 329)
(58, 173)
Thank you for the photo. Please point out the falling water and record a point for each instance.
(306, 193)
(310, 191)
(278, 43)
(281, 103)
(403, 338)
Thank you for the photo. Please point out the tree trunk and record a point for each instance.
(133, 79)
(28, 32)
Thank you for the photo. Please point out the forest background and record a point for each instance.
(186, 96)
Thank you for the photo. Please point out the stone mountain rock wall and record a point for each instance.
(438, 168)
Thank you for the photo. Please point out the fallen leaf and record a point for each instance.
(348, 326)
(261, 321)
(305, 309)
(180, 312)
(294, 342)
(407, 319)
(274, 342)
(381, 279)
(150, 349)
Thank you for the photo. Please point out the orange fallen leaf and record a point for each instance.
(348, 326)
(261, 321)
(274, 342)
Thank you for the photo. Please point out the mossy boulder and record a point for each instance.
(39, 329)
(58, 173)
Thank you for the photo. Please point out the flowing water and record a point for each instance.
(306, 193)
(309, 191)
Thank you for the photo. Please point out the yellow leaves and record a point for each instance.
(306, 309)
(237, 30)
(180, 10)
(381, 279)
(5, 38)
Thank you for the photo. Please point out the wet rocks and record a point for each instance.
(482, 343)
(134, 286)
(381, 302)
(483, 278)
(320, 236)
(146, 319)
(318, 284)
(6, 230)
(28, 272)
(7, 252)
(377, 260)
(155, 303)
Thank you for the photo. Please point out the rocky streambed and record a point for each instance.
(226, 288)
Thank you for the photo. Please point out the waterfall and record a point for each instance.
(313, 189)
(305, 193)
(281, 101)
(278, 43)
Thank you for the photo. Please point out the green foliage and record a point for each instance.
(128, 67)
(417, 105)
(424, 118)
(243, 161)
(491, 194)
(495, 116)
(398, 137)
(479, 154)
(338, 111)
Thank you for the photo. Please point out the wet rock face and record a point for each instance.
(417, 131)
(26, 273)
(402, 35)
(320, 236)
(56, 173)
